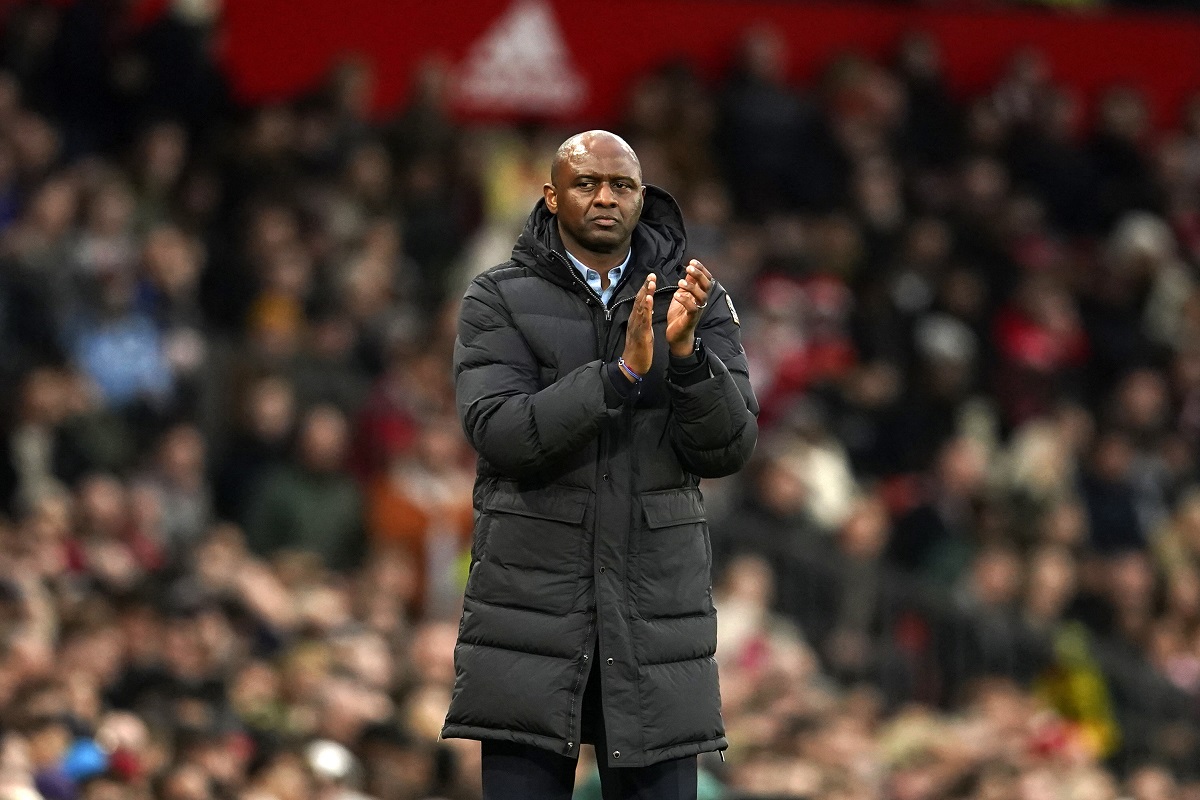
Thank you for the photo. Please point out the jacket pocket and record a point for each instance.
(672, 559)
(532, 553)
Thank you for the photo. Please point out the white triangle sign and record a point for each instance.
(522, 65)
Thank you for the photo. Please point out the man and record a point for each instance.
(599, 377)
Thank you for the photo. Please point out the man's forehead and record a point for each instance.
(611, 159)
(606, 153)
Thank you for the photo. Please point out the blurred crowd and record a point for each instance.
(236, 499)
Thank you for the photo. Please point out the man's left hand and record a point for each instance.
(686, 304)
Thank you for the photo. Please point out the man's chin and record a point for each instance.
(606, 242)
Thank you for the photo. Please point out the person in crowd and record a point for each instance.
(311, 504)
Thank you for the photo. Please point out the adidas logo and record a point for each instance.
(522, 65)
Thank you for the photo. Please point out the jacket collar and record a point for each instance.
(659, 244)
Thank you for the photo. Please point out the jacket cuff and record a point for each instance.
(617, 388)
(691, 369)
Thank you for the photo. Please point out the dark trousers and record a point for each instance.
(523, 772)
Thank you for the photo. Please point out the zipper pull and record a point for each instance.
(608, 314)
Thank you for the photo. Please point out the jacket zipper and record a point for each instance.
(577, 718)
(592, 293)
(572, 747)
(601, 350)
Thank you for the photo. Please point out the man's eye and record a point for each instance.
(585, 184)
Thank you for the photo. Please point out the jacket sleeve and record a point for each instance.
(518, 428)
(714, 422)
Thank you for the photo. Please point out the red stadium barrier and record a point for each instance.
(556, 59)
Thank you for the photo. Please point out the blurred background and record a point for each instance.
(963, 239)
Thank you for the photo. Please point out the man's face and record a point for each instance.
(597, 195)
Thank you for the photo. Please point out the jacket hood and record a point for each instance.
(659, 240)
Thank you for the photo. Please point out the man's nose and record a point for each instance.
(605, 196)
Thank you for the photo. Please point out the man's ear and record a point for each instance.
(551, 198)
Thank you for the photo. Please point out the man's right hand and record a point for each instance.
(639, 335)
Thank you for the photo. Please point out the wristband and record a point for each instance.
(625, 368)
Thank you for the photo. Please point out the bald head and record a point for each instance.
(581, 145)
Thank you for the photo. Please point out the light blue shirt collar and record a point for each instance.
(593, 277)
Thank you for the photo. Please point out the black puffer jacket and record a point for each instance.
(588, 511)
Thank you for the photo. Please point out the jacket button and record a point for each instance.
(616, 753)
(585, 656)
(605, 476)
(570, 745)
(602, 570)
(610, 662)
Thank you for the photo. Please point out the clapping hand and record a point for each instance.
(687, 302)
(639, 336)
